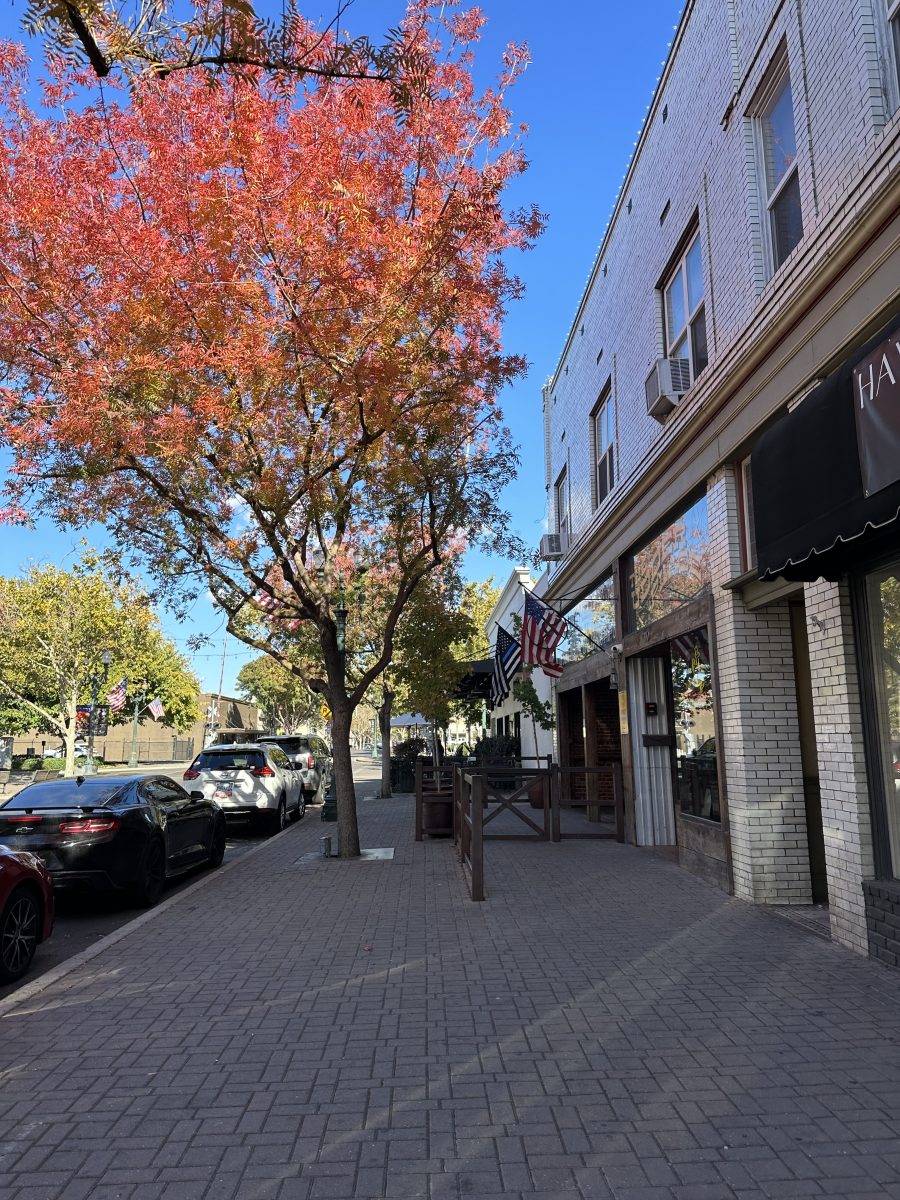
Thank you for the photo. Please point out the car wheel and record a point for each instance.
(279, 818)
(217, 846)
(19, 927)
(149, 887)
(300, 811)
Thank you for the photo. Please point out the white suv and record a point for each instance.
(310, 755)
(249, 781)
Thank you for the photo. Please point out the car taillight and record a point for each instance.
(263, 772)
(91, 825)
(310, 761)
(190, 773)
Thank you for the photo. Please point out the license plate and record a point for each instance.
(223, 793)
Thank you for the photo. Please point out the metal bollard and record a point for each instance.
(326, 847)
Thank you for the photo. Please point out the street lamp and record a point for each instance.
(138, 705)
(329, 807)
(97, 677)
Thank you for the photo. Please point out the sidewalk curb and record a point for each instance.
(55, 974)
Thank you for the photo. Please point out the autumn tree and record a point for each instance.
(281, 696)
(55, 626)
(255, 329)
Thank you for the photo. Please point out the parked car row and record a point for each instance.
(132, 833)
(273, 778)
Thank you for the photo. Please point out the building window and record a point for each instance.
(685, 313)
(745, 513)
(884, 612)
(590, 625)
(562, 503)
(670, 570)
(891, 53)
(695, 726)
(603, 436)
(779, 180)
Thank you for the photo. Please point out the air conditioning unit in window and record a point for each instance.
(666, 384)
(554, 546)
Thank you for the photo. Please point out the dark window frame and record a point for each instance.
(603, 472)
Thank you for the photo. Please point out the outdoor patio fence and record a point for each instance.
(481, 795)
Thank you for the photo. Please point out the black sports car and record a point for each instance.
(120, 831)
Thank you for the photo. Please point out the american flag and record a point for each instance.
(271, 605)
(507, 660)
(156, 709)
(117, 697)
(542, 629)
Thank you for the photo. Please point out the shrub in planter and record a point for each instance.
(409, 750)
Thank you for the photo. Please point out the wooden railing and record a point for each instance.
(464, 801)
(468, 827)
(434, 800)
(613, 802)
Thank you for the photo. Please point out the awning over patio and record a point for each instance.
(476, 683)
(408, 721)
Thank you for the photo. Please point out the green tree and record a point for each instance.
(425, 669)
(283, 699)
(54, 627)
(538, 711)
(477, 601)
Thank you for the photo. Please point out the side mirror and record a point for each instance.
(197, 796)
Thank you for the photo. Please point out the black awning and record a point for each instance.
(811, 515)
(476, 682)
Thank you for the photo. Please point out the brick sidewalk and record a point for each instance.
(603, 1026)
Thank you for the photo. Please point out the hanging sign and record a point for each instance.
(876, 401)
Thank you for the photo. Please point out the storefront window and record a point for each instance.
(672, 569)
(884, 607)
(695, 726)
(592, 624)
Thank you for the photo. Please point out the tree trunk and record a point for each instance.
(347, 827)
(69, 738)
(384, 724)
(341, 719)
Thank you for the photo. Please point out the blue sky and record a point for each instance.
(584, 98)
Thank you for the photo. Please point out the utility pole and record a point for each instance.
(215, 720)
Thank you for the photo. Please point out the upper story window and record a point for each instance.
(891, 52)
(603, 436)
(685, 312)
(779, 179)
(562, 502)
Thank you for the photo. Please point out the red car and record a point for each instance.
(26, 910)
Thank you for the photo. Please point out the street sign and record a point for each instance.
(325, 712)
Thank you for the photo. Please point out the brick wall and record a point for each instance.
(692, 167)
(760, 732)
(842, 769)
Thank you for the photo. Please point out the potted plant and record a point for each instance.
(403, 764)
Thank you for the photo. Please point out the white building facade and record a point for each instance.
(723, 465)
(507, 718)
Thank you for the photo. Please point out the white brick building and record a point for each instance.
(507, 718)
(750, 613)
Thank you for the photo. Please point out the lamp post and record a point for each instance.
(138, 705)
(329, 807)
(97, 677)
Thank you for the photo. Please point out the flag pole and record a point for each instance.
(568, 620)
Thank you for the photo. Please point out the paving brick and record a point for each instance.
(662, 1008)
